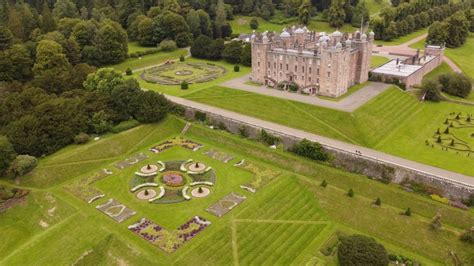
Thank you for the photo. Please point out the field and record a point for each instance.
(393, 122)
(376, 61)
(288, 220)
(160, 57)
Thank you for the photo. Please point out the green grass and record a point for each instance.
(463, 56)
(403, 39)
(134, 47)
(441, 69)
(375, 6)
(285, 222)
(150, 60)
(376, 61)
(419, 44)
(393, 122)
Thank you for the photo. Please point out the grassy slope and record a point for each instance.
(134, 47)
(391, 122)
(403, 39)
(152, 59)
(296, 212)
(377, 60)
(463, 56)
(375, 6)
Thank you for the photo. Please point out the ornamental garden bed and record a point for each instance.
(169, 240)
(83, 189)
(177, 72)
(262, 176)
(131, 161)
(226, 204)
(116, 210)
(456, 134)
(218, 155)
(188, 144)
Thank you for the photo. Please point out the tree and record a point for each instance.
(105, 80)
(145, 32)
(378, 202)
(431, 90)
(361, 250)
(361, 14)
(153, 107)
(168, 25)
(220, 18)
(194, 22)
(310, 149)
(215, 49)
(84, 33)
(254, 23)
(390, 32)
(350, 193)
(6, 38)
(184, 39)
(304, 12)
(200, 47)
(48, 23)
(437, 33)
(167, 45)
(65, 9)
(22, 165)
(456, 84)
(15, 24)
(111, 42)
(458, 28)
(51, 67)
(246, 57)
(336, 14)
(21, 62)
(408, 212)
(232, 52)
(7, 153)
(101, 122)
(436, 222)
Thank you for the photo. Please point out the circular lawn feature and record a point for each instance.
(196, 167)
(146, 194)
(149, 168)
(200, 192)
(173, 179)
(178, 72)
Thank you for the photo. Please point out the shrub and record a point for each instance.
(128, 72)
(455, 84)
(350, 193)
(310, 149)
(378, 202)
(81, 138)
(7, 153)
(183, 39)
(243, 131)
(254, 23)
(221, 126)
(200, 190)
(22, 165)
(184, 85)
(125, 125)
(293, 87)
(167, 45)
(439, 199)
(468, 236)
(470, 200)
(431, 90)
(436, 222)
(361, 250)
(200, 116)
(236, 68)
(408, 212)
(181, 58)
(268, 138)
(324, 183)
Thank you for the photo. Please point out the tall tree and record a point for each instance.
(194, 22)
(111, 42)
(361, 14)
(304, 12)
(47, 18)
(6, 38)
(145, 32)
(15, 24)
(458, 29)
(21, 62)
(220, 17)
(336, 14)
(65, 9)
(437, 33)
(7, 153)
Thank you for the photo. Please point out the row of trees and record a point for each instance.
(453, 31)
(452, 83)
(344, 11)
(233, 52)
(396, 22)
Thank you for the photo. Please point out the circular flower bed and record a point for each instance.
(146, 194)
(173, 179)
(200, 192)
(184, 72)
(196, 167)
(148, 169)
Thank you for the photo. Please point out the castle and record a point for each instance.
(311, 62)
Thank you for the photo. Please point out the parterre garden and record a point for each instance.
(263, 206)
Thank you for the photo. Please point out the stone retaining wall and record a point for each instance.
(348, 161)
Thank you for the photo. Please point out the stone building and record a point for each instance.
(311, 62)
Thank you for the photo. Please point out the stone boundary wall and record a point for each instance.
(345, 160)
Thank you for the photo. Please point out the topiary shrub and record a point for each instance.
(200, 116)
(378, 202)
(22, 165)
(436, 222)
(350, 193)
(254, 23)
(167, 45)
(181, 58)
(268, 138)
(361, 250)
(236, 68)
(407, 212)
(128, 72)
(81, 138)
(310, 149)
(324, 183)
(184, 85)
(293, 87)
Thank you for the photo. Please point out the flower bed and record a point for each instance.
(226, 204)
(131, 161)
(116, 210)
(173, 179)
(83, 189)
(209, 176)
(262, 176)
(188, 144)
(218, 155)
(170, 196)
(169, 240)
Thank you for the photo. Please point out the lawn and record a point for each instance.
(286, 221)
(376, 61)
(403, 39)
(134, 47)
(375, 6)
(463, 56)
(150, 60)
(441, 69)
(393, 122)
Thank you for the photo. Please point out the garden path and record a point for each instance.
(348, 104)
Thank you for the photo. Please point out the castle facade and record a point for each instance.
(311, 62)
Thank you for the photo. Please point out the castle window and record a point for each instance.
(317, 71)
(274, 65)
(329, 74)
(286, 66)
(280, 74)
(281, 66)
(269, 64)
(317, 81)
(309, 79)
(309, 70)
(302, 69)
(258, 64)
(296, 68)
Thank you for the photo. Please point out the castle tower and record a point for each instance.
(260, 46)
(364, 45)
(299, 37)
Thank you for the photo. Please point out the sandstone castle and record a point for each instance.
(311, 62)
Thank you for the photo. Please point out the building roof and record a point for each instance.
(400, 70)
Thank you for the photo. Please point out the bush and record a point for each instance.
(128, 72)
(350, 193)
(436, 222)
(439, 199)
(243, 131)
(310, 149)
(182, 58)
(167, 45)
(183, 39)
(293, 87)
(468, 236)
(184, 85)
(145, 52)
(324, 183)
(254, 23)
(125, 125)
(22, 165)
(378, 202)
(236, 68)
(200, 116)
(456, 84)
(408, 212)
(431, 90)
(470, 201)
(268, 138)
(361, 250)
(81, 138)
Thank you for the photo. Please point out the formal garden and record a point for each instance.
(175, 73)
(455, 135)
(210, 197)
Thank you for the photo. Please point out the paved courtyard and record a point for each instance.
(347, 104)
